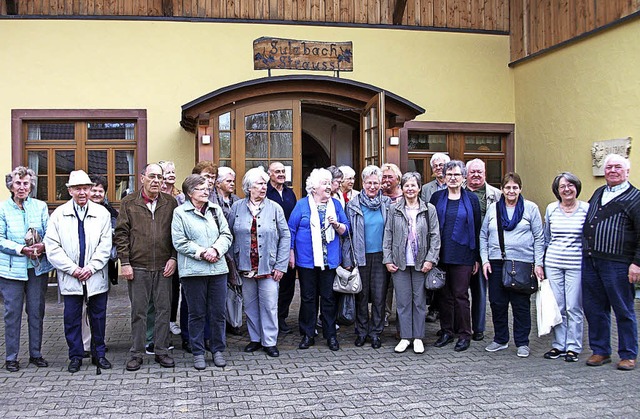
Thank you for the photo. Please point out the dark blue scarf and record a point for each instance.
(463, 234)
(510, 224)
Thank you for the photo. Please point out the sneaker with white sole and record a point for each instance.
(418, 346)
(199, 362)
(402, 345)
(523, 351)
(174, 328)
(495, 346)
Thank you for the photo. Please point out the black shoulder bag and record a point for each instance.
(517, 276)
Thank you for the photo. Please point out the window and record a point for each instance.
(492, 143)
(54, 143)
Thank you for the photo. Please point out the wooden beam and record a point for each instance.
(12, 7)
(167, 8)
(398, 11)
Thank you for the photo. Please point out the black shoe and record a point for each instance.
(272, 351)
(253, 346)
(462, 345)
(360, 340)
(477, 336)
(101, 362)
(74, 365)
(12, 366)
(283, 327)
(86, 354)
(333, 344)
(233, 330)
(186, 346)
(439, 332)
(306, 342)
(432, 316)
(38, 362)
(444, 340)
(150, 349)
(376, 343)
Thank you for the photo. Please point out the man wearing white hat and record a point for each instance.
(78, 243)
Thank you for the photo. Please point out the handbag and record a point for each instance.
(32, 237)
(345, 281)
(435, 279)
(234, 305)
(346, 309)
(547, 311)
(517, 276)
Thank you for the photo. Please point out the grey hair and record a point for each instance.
(625, 161)
(453, 164)
(439, 156)
(165, 163)
(569, 177)
(223, 172)
(144, 169)
(192, 182)
(347, 171)
(371, 170)
(20, 172)
(476, 161)
(251, 177)
(336, 173)
(411, 175)
(316, 175)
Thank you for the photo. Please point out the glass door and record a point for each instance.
(372, 125)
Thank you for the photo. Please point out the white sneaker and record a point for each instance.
(174, 328)
(523, 351)
(495, 347)
(418, 346)
(402, 346)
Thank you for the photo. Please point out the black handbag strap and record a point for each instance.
(500, 232)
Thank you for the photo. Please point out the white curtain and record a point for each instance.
(34, 133)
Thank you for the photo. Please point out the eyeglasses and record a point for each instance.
(453, 175)
(567, 186)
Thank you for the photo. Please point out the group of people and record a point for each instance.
(183, 242)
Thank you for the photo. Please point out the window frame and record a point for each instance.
(21, 117)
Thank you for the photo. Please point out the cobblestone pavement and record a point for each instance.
(353, 382)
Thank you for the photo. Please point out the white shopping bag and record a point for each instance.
(547, 308)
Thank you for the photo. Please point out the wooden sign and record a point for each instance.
(281, 54)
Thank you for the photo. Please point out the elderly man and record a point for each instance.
(78, 243)
(148, 260)
(611, 264)
(437, 162)
(279, 192)
(487, 194)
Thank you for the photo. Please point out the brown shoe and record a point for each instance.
(627, 364)
(165, 361)
(134, 363)
(598, 360)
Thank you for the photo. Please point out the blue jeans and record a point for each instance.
(500, 298)
(605, 286)
(566, 285)
(316, 283)
(206, 296)
(97, 314)
(14, 293)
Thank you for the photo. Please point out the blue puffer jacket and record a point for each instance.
(14, 224)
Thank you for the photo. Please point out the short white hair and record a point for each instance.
(315, 177)
(347, 171)
(478, 162)
(613, 156)
(439, 156)
(371, 170)
(223, 172)
(251, 177)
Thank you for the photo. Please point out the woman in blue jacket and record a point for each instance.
(23, 266)
(315, 224)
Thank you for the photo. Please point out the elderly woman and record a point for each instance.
(563, 264)
(23, 266)
(315, 224)
(201, 236)
(367, 213)
(346, 191)
(261, 252)
(169, 182)
(411, 246)
(459, 219)
(524, 242)
(336, 181)
(225, 188)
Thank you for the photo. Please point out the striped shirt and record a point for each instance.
(563, 236)
(612, 231)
